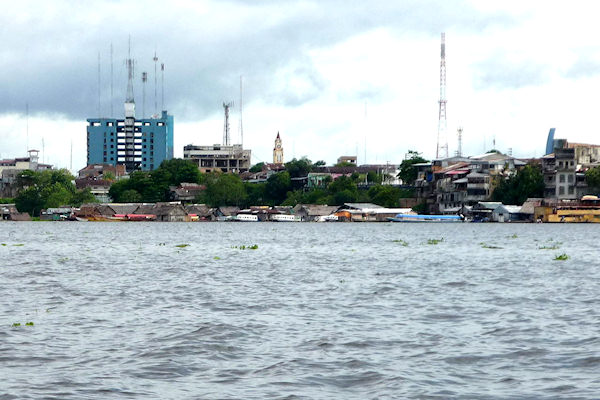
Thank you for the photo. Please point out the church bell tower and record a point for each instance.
(278, 151)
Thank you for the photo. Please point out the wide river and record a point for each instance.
(317, 311)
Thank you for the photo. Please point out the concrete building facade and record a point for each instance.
(218, 157)
(136, 143)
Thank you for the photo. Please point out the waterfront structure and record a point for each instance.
(218, 157)
(278, 151)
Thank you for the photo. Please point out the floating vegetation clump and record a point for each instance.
(29, 323)
(18, 244)
(216, 258)
(553, 247)
(489, 246)
(400, 242)
(3, 244)
(244, 247)
(561, 257)
(434, 241)
(16, 324)
(514, 236)
(182, 245)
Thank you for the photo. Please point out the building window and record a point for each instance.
(561, 178)
(561, 190)
(571, 189)
(570, 179)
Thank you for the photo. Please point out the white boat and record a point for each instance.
(326, 218)
(246, 218)
(285, 218)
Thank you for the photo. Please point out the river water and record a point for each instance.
(317, 311)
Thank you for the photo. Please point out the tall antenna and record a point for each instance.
(162, 86)
(99, 88)
(241, 104)
(155, 59)
(112, 115)
(43, 152)
(366, 126)
(27, 126)
(442, 149)
(226, 106)
(459, 134)
(144, 80)
(130, 72)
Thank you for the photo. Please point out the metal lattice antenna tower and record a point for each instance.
(112, 115)
(130, 63)
(226, 106)
(459, 134)
(241, 103)
(155, 59)
(144, 80)
(99, 89)
(442, 149)
(162, 86)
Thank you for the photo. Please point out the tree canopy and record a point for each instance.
(527, 182)
(48, 189)
(408, 171)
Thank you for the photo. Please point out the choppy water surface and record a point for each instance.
(318, 311)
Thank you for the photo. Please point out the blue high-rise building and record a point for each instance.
(136, 143)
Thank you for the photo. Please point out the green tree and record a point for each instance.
(408, 171)
(528, 182)
(298, 168)
(224, 190)
(257, 167)
(83, 196)
(30, 201)
(342, 190)
(592, 177)
(277, 187)
(319, 163)
(130, 196)
(256, 194)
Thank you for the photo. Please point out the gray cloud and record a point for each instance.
(584, 67)
(50, 49)
(497, 73)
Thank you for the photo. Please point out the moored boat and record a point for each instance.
(425, 218)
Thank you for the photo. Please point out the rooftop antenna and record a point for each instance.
(459, 134)
(144, 80)
(111, 81)
(226, 106)
(162, 86)
(27, 126)
(241, 103)
(99, 88)
(130, 72)
(442, 149)
(155, 59)
(366, 124)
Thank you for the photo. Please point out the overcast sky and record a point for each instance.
(334, 77)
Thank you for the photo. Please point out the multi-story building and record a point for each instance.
(136, 143)
(12, 168)
(218, 157)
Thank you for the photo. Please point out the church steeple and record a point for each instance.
(278, 151)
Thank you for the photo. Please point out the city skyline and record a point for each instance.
(329, 77)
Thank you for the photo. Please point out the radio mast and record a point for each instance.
(442, 148)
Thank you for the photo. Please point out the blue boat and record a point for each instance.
(425, 218)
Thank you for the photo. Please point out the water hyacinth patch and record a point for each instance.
(400, 242)
(434, 241)
(182, 245)
(561, 257)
